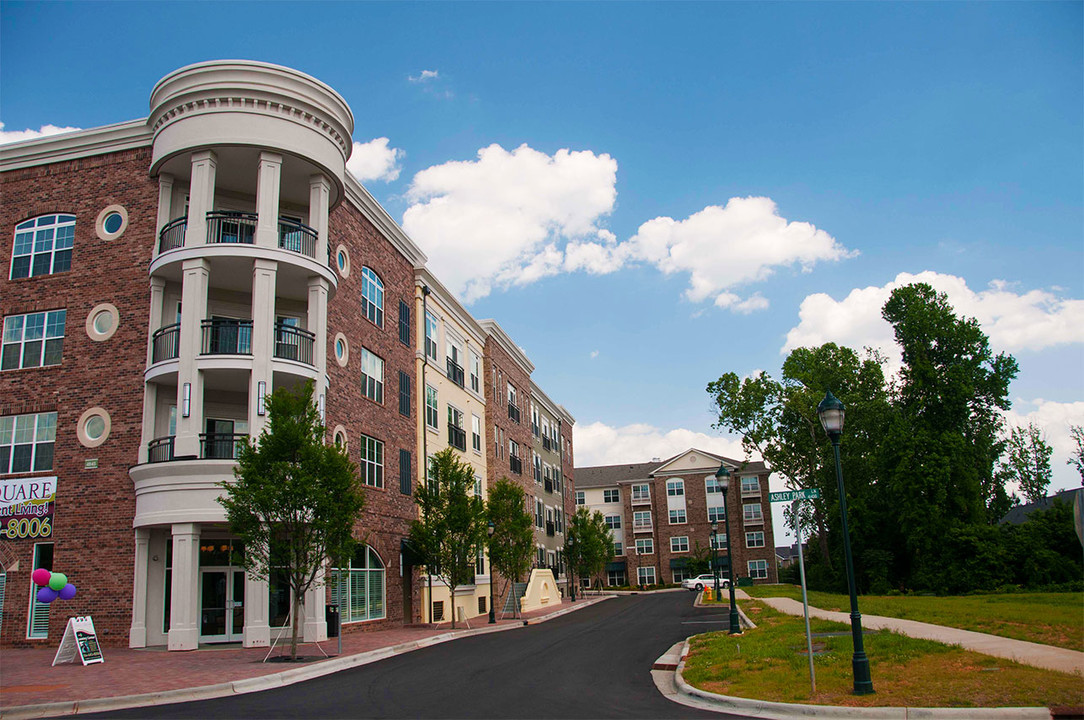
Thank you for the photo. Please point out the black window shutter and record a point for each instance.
(404, 323)
(404, 472)
(404, 394)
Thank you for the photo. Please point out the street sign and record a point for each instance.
(788, 495)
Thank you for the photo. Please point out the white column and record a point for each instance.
(137, 635)
(317, 324)
(201, 197)
(158, 294)
(264, 276)
(267, 199)
(196, 279)
(315, 627)
(257, 631)
(319, 207)
(184, 597)
(165, 206)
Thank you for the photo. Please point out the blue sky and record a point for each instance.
(570, 168)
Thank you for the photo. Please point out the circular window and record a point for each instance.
(340, 437)
(102, 322)
(342, 260)
(342, 350)
(93, 428)
(112, 222)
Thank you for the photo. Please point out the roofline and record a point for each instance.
(423, 276)
(494, 330)
(76, 144)
(378, 216)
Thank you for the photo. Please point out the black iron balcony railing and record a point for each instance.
(513, 412)
(160, 449)
(297, 237)
(231, 227)
(547, 444)
(294, 343)
(548, 485)
(226, 337)
(550, 529)
(515, 464)
(455, 372)
(457, 437)
(172, 235)
(219, 446)
(166, 343)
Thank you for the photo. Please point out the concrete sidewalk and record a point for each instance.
(1042, 656)
(30, 687)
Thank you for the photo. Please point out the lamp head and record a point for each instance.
(491, 528)
(830, 411)
(722, 475)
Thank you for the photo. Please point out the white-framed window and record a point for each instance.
(43, 246)
(372, 376)
(476, 433)
(751, 512)
(580, 500)
(372, 461)
(26, 442)
(615, 578)
(618, 549)
(431, 330)
(758, 569)
(458, 437)
(711, 485)
(645, 546)
(613, 522)
(716, 514)
(646, 575)
(750, 485)
(719, 539)
(677, 517)
(372, 296)
(611, 496)
(681, 574)
(675, 487)
(33, 340)
(754, 539)
(475, 372)
(432, 416)
(539, 513)
(679, 543)
(538, 468)
(641, 519)
(641, 493)
(359, 588)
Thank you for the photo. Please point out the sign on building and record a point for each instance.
(26, 507)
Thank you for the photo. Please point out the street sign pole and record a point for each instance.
(789, 496)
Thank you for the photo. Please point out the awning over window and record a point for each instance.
(615, 566)
(679, 563)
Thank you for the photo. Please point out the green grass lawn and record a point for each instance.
(767, 663)
(1048, 618)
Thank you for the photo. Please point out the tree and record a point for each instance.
(294, 499)
(589, 544)
(1076, 456)
(1027, 462)
(512, 543)
(452, 526)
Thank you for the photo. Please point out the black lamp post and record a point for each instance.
(831, 414)
(492, 615)
(722, 475)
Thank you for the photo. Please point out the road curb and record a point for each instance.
(264, 682)
(794, 711)
(745, 621)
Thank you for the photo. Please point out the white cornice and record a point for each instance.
(378, 216)
(425, 276)
(493, 328)
(73, 145)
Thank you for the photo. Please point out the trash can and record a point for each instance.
(331, 614)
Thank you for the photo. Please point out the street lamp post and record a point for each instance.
(831, 414)
(722, 475)
(490, 530)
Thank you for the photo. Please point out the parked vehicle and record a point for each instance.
(700, 582)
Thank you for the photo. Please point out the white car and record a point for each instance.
(700, 582)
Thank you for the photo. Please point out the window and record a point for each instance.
(438, 610)
(372, 296)
(618, 549)
(26, 442)
(677, 517)
(641, 493)
(645, 546)
(682, 574)
(720, 541)
(457, 437)
(477, 485)
(613, 522)
(538, 468)
(758, 569)
(751, 513)
(372, 461)
(475, 372)
(404, 394)
(481, 600)
(404, 472)
(750, 485)
(679, 543)
(430, 336)
(43, 246)
(359, 588)
(404, 323)
(711, 485)
(37, 624)
(431, 416)
(513, 448)
(539, 513)
(372, 376)
(716, 514)
(534, 421)
(675, 488)
(33, 340)
(641, 519)
(476, 433)
(646, 575)
(580, 500)
(610, 496)
(615, 578)
(754, 539)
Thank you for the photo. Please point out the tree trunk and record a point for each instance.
(297, 621)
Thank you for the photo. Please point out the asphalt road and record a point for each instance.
(593, 663)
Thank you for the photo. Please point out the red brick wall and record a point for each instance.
(92, 523)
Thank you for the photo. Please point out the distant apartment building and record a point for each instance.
(661, 515)
(550, 481)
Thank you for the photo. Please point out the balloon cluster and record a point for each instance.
(52, 585)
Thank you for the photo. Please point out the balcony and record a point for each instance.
(297, 237)
(641, 526)
(293, 343)
(226, 337)
(160, 449)
(455, 372)
(547, 444)
(550, 529)
(172, 235)
(231, 227)
(515, 464)
(513, 412)
(549, 485)
(219, 446)
(166, 343)
(457, 437)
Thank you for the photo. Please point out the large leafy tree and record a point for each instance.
(452, 527)
(588, 544)
(512, 543)
(294, 499)
(1076, 455)
(1026, 462)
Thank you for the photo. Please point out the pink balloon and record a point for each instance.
(41, 577)
(46, 595)
(67, 592)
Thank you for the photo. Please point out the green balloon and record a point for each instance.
(57, 581)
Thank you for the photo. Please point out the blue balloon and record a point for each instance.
(47, 595)
(67, 592)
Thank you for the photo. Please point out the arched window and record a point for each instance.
(359, 588)
(43, 246)
(372, 296)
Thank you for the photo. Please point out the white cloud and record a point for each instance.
(374, 160)
(424, 76)
(601, 444)
(594, 354)
(725, 247)
(1054, 418)
(10, 136)
(505, 218)
(1032, 320)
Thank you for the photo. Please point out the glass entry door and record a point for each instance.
(222, 607)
